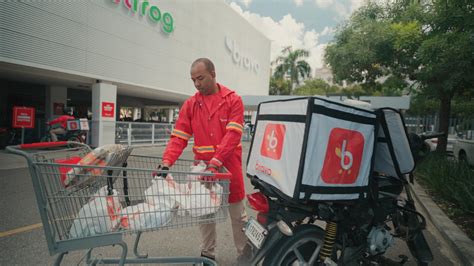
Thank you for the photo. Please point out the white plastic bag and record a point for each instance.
(166, 191)
(204, 197)
(100, 215)
(195, 198)
(144, 216)
(202, 200)
(198, 168)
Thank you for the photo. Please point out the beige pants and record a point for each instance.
(238, 218)
(58, 130)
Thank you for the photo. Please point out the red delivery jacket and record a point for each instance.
(217, 135)
(61, 120)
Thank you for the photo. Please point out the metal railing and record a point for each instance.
(419, 124)
(135, 133)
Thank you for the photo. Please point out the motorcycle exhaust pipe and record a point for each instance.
(284, 228)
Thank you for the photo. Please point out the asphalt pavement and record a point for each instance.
(22, 240)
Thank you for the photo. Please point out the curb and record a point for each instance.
(457, 239)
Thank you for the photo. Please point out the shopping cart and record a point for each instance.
(126, 196)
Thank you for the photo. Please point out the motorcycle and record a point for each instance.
(76, 131)
(294, 232)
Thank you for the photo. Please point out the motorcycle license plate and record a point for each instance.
(255, 232)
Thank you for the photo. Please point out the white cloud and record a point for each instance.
(287, 32)
(246, 3)
(327, 31)
(355, 4)
(298, 2)
(342, 9)
(324, 3)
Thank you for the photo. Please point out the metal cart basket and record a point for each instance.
(128, 195)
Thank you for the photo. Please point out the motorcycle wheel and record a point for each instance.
(300, 249)
(73, 139)
(46, 138)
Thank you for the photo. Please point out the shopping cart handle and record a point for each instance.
(223, 175)
(40, 145)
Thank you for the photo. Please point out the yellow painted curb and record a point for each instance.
(21, 230)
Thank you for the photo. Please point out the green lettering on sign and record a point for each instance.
(154, 12)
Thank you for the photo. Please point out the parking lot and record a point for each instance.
(22, 240)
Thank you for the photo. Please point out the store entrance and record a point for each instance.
(81, 102)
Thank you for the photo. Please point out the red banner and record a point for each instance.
(23, 117)
(108, 109)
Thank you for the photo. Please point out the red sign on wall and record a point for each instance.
(23, 117)
(108, 109)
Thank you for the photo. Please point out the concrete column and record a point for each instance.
(104, 104)
(55, 96)
(170, 115)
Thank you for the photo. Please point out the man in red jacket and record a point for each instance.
(59, 125)
(214, 116)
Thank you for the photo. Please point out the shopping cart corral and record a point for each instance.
(85, 206)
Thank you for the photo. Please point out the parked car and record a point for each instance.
(464, 147)
(433, 143)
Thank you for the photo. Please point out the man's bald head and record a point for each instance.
(208, 63)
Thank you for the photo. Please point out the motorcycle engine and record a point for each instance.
(379, 240)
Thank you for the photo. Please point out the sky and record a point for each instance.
(303, 24)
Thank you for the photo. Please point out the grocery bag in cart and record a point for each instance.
(106, 155)
(144, 216)
(193, 197)
(99, 215)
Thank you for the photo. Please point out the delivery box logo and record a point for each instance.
(343, 156)
(272, 144)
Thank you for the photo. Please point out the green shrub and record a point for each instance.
(448, 179)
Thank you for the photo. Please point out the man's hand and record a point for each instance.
(211, 169)
(162, 168)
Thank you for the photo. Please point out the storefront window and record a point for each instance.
(126, 113)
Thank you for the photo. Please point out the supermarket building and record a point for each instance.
(121, 59)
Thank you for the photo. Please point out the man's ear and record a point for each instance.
(213, 74)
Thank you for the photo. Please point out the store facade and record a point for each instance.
(126, 58)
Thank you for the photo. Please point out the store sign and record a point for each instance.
(23, 117)
(144, 8)
(240, 58)
(108, 109)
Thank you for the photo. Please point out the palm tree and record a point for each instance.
(291, 64)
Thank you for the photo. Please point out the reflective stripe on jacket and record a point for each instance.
(217, 135)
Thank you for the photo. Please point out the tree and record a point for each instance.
(361, 49)
(292, 64)
(447, 56)
(430, 44)
(315, 87)
(393, 86)
(279, 86)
